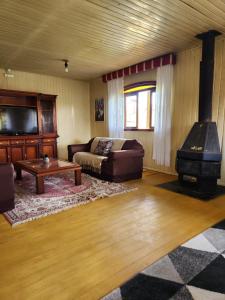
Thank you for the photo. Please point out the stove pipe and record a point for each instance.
(206, 75)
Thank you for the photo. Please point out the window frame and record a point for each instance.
(152, 90)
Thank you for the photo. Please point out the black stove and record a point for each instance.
(200, 156)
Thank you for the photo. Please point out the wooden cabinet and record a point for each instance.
(27, 148)
(49, 147)
(48, 150)
(31, 152)
(32, 148)
(14, 148)
(47, 114)
(47, 106)
(4, 154)
(16, 153)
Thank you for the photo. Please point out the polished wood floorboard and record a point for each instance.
(84, 252)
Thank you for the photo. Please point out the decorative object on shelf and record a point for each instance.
(46, 159)
(99, 110)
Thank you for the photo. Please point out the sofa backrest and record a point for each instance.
(117, 143)
(132, 145)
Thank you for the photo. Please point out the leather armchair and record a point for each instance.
(6, 187)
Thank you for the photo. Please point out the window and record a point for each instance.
(140, 106)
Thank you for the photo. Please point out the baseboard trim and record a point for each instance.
(160, 171)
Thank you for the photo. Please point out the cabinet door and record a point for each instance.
(31, 151)
(16, 153)
(49, 150)
(4, 154)
(47, 105)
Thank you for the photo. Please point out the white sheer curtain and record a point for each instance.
(163, 115)
(115, 107)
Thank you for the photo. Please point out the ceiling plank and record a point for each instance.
(99, 36)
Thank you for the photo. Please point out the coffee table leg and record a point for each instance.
(77, 174)
(18, 173)
(40, 185)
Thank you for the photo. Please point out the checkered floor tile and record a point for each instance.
(193, 271)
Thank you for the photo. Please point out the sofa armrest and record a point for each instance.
(72, 149)
(123, 154)
(123, 165)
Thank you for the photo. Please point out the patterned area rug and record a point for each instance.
(60, 194)
(193, 271)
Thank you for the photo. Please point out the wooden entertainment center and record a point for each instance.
(21, 147)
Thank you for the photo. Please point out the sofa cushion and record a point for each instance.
(117, 143)
(103, 147)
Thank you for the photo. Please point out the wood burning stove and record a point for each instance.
(200, 155)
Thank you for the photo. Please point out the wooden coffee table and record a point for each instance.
(39, 169)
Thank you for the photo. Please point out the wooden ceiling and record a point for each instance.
(98, 36)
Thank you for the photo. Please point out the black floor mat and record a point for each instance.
(190, 189)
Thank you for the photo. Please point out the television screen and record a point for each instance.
(18, 120)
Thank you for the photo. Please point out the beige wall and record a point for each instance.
(73, 104)
(186, 89)
(98, 89)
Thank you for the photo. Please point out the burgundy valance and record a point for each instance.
(167, 59)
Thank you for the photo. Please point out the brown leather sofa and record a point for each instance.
(6, 187)
(120, 165)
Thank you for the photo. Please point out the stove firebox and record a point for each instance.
(200, 156)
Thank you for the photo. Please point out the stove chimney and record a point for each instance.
(206, 75)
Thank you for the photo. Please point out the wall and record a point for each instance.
(72, 104)
(98, 89)
(185, 102)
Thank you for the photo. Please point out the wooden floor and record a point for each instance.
(85, 252)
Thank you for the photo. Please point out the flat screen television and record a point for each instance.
(18, 120)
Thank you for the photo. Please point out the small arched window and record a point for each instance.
(139, 106)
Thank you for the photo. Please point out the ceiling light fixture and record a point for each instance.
(8, 73)
(66, 64)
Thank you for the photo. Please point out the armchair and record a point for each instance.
(6, 188)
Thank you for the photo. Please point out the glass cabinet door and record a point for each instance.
(47, 109)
